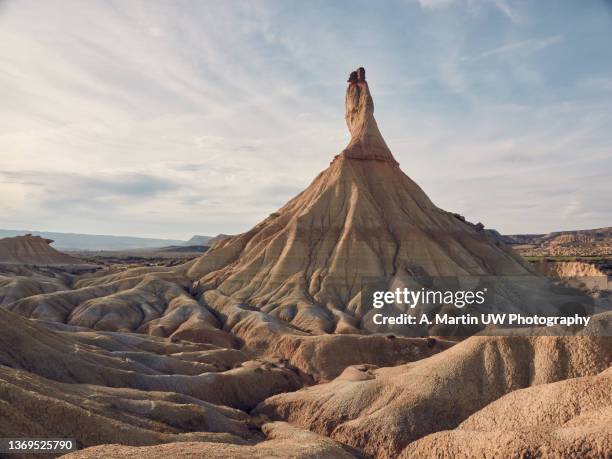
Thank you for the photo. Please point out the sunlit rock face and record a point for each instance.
(359, 219)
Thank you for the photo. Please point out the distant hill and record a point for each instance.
(583, 243)
(184, 249)
(74, 241)
(33, 250)
(198, 240)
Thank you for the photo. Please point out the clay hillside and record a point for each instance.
(34, 250)
(262, 346)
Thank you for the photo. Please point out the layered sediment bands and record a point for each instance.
(562, 269)
(321, 356)
(383, 410)
(580, 243)
(358, 220)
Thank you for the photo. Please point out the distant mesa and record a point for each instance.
(33, 250)
(102, 242)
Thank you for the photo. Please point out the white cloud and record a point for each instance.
(226, 110)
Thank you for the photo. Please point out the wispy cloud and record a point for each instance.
(130, 185)
(512, 13)
(172, 118)
(524, 46)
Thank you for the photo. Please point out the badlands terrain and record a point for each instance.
(264, 347)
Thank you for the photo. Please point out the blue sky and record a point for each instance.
(173, 118)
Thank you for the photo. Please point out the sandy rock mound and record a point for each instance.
(156, 352)
(321, 356)
(16, 287)
(33, 250)
(326, 356)
(152, 301)
(158, 303)
(571, 418)
(31, 406)
(382, 410)
(29, 346)
(283, 441)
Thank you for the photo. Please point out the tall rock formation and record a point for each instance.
(362, 218)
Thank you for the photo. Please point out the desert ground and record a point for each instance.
(260, 345)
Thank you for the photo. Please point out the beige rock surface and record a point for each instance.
(14, 287)
(571, 418)
(32, 406)
(157, 303)
(28, 346)
(326, 356)
(562, 269)
(283, 441)
(382, 410)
